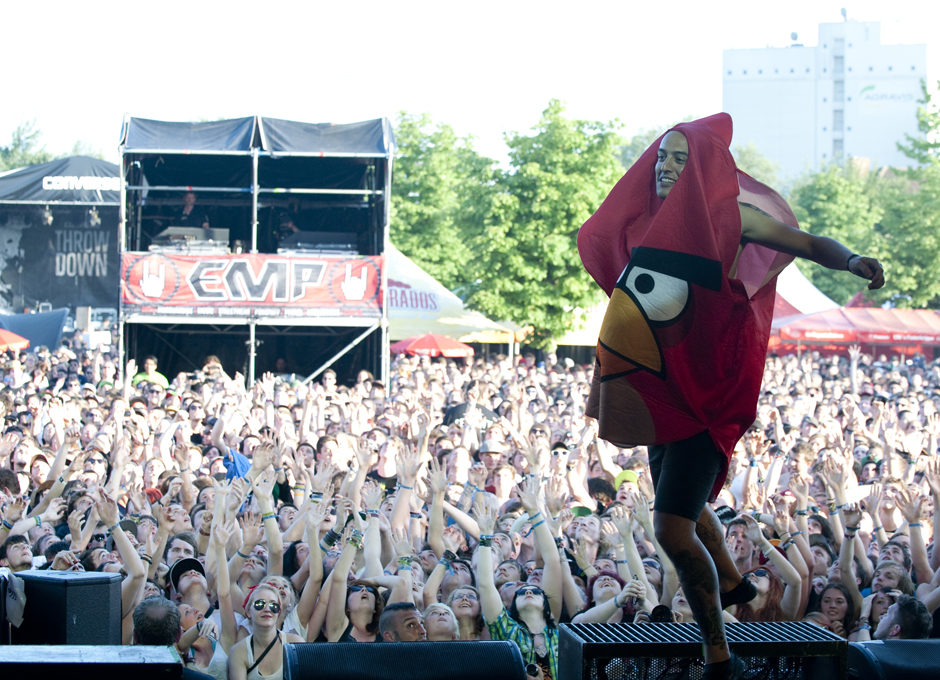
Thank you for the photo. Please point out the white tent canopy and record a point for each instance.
(795, 295)
(418, 304)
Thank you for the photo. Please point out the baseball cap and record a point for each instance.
(626, 476)
(181, 566)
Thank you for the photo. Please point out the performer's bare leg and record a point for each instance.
(712, 535)
(699, 579)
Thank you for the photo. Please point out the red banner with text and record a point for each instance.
(238, 286)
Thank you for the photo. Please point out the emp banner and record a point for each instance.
(232, 286)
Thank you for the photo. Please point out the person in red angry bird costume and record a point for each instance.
(688, 248)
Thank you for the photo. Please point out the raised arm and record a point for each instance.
(551, 573)
(490, 602)
(221, 533)
(853, 517)
(760, 228)
(131, 586)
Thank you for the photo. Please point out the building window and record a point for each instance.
(760, 71)
(871, 68)
(807, 70)
(837, 149)
(745, 71)
(890, 68)
(729, 73)
(825, 129)
(825, 100)
(850, 69)
(913, 68)
(825, 70)
(838, 90)
(791, 70)
(838, 65)
(776, 70)
(837, 120)
(839, 45)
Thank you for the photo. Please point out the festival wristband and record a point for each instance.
(485, 541)
(241, 554)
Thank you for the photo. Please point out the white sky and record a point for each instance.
(483, 67)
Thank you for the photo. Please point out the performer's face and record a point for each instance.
(670, 161)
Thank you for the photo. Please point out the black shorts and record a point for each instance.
(684, 473)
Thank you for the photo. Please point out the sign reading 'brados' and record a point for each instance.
(251, 286)
(72, 183)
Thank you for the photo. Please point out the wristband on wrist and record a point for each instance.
(355, 539)
(848, 261)
(540, 522)
(331, 537)
(915, 524)
(876, 530)
(796, 533)
(204, 533)
(532, 518)
(620, 562)
(787, 545)
(39, 521)
(61, 479)
(147, 559)
(373, 513)
(7, 525)
(485, 541)
(268, 515)
(865, 626)
(404, 561)
(802, 513)
(241, 554)
(405, 486)
(299, 487)
(416, 515)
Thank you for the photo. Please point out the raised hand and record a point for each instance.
(529, 495)
(107, 508)
(622, 521)
(477, 475)
(641, 508)
(852, 514)
(252, 531)
(582, 555)
(799, 487)
(437, 477)
(611, 534)
(402, 543)
(872, 502)
(452, 538)
(754, 534)
(175, 486)
(781, 522)
(932, 476)
(910, 504)
(485, 517)
(556, 495)
(222, 533)
(372, 495)
(324, 476)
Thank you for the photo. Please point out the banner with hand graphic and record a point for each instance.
(158, 285)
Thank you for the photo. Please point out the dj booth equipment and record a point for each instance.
(70, 608)
(411, 660)
(893, 659)
(78, 662)
(670, 651)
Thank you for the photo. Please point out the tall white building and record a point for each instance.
(804, 107)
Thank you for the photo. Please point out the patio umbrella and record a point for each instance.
(9, 340)
(432, 345)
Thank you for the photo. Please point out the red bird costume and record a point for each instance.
(682, 347)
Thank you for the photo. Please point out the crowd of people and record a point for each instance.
(469, 500)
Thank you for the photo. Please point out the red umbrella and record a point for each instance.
(9, 340)
(432, 345)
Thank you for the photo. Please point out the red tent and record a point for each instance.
(10, 340)
(905, 331)
(433, 346)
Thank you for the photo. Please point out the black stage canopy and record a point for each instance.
(77, 180)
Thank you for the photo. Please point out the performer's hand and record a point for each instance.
(868, 268)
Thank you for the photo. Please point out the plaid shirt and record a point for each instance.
(505, 628)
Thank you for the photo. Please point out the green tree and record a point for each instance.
(641, 141)
(526, 251)
(437, 184)
(910, 228)
(838, 203)
(924, 148)
(756, 164)
(24, 149)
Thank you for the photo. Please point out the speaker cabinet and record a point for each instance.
(76, 662)
(70, 608)
(895, 659)
(673, 651)
(411, 660)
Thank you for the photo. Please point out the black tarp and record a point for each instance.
(77, 179)
(367, 138)
(39, 329)
(234, 135)
(372, 138)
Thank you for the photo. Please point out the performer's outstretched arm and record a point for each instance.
(759, 227)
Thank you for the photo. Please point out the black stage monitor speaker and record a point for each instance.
(90, 663)
(70, 608)
(670, 651)
(890, 659)
(411, 660)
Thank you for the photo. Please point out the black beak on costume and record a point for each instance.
(654, 292)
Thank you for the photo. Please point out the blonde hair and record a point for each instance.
(440, 606)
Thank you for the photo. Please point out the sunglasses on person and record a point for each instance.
(99, 538)
(273, 607)
(761, 572)
(467, 595)
(356, 589)
(530, 589)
